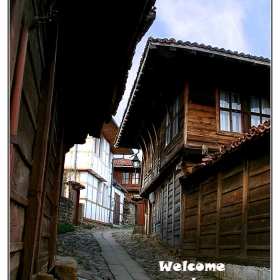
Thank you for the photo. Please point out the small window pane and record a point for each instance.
(167, 120)
(255, 120)
(224, 121)
(265, 119)
(224, 99)
(265, 106)
(255, 107)
(135, 178)
(167, 135)
(235, 102)
(125, 178)
(236, 122)
(175, 126)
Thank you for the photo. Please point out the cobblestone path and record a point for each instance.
(146, 250)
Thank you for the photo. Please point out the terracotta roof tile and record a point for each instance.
(252, 134)
(76, 185)
(195, 45)
(123, 162)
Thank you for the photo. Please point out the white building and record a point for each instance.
(90, 164)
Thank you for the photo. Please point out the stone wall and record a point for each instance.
(129, 213)
(66, 208)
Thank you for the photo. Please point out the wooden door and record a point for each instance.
(140, 214)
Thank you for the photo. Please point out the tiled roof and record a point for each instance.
(76, 185)
(253, 134)
(208, 48)
(149, 68)
(123, 162)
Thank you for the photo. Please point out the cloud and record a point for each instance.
(216, 23)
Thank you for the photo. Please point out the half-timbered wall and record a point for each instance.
(227, 213)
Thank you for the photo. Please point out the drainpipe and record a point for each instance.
(16, 90)
(111, 188)
(75, 162)
(16, 94)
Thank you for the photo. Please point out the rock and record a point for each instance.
(65, 268)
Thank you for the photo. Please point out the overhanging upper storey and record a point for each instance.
(165, 68)
(95, 51)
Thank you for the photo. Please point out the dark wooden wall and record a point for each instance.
(37, 144)
(166, 211)
(226, 211)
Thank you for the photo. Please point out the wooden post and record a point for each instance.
(186, 108)
(198, 219)
(173, 209)
(37, 177)
(245, 208)
(182, 221)
(219, 201)
(56, 198)
(16, 92)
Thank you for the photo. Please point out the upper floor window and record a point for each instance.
(230, 112)
(260, 110)
(135, 178)
(125, 178)
(172, 121)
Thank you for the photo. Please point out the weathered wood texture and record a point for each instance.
(38, 162)
(227, 214)
(202, 118)
(166, 211)
(156, 153)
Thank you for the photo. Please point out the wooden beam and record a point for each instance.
(244, 225)
(186, 114)
(219, 203)
(37, 176)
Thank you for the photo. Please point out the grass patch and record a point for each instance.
(65, 227)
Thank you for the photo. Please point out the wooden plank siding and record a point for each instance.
(38, 164)
(227, 212)
(166, 211)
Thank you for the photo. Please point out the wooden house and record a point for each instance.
(187, 101)
(226, 203)
(91, 164)
(129, 177)
(68, 70)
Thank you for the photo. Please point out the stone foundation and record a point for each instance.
(239, 272)
(129, 213)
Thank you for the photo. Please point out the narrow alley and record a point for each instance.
(118, 253)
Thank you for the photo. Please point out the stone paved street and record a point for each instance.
(99, 256)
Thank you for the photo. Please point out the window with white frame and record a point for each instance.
(106, 152)
(230, 112)
(172, 121)
(97, 147)
(125, 178)
(99, 193)
(259, 110)
(135, 178)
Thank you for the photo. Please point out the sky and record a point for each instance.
(236, 25)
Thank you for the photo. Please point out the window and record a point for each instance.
(97, 147)
(172, 121)
(125, 178)
(135, 178)
(106, 151)
(230, 112)
(99, 193)
(260, 110)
